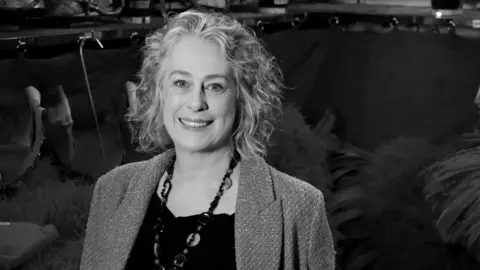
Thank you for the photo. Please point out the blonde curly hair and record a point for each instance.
(257, 75)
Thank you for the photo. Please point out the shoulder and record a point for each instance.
(303, 204)
(115, 183)
(121, 175)
(293, 189)
(304, 208)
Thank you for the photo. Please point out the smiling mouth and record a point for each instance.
(195, 123)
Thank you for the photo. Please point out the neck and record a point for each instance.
(202, 167)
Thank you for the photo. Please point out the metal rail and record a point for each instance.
(113, 31)
(59, 36)
(468, 20)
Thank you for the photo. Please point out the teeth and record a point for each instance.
(196, 124)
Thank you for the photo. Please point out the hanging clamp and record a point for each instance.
(393, 24)
(260, 25)
(451, 26)
(297, 21)
(91, 36)
(21, 48)
(333, 21)
(135, 38)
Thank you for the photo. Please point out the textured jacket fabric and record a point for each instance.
(280, 221)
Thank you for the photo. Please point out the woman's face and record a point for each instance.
(199, 99)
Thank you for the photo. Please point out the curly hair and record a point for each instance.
(257, 75)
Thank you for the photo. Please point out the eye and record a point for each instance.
(216, 87)
(181, 83)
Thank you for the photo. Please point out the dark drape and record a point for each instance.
(382, 85)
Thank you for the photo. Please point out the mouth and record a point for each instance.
(195, 123)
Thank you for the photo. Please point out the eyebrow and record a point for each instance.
(186, 73)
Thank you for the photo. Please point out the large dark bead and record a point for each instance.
(214, 204)
(163, 201)
(158, 228)
(205, 218)
(179, 260)
(157, 262)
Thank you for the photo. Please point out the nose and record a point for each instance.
(197, 100)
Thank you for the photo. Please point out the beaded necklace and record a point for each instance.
(194, 238)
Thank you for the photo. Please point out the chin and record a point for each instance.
(193, 144)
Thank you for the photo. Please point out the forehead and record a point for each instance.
(198, 56)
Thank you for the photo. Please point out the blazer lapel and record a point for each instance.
(258, 218)
(127, 219)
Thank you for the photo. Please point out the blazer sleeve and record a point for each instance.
(321, 253)
(93, 232)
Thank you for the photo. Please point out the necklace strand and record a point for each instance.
(194, 238)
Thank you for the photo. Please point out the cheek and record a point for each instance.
(231, 109)
(170, 103)
(168, 109)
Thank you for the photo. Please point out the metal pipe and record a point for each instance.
(87, 81)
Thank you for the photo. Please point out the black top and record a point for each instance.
(216, 249)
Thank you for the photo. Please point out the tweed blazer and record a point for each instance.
(280, 221)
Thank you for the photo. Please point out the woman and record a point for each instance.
(209, 93)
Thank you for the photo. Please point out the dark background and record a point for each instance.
(382, 85)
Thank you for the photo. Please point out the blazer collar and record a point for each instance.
(258, 218)
(258, 214)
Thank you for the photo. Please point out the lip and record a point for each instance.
(195, 129)
(198, 120)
